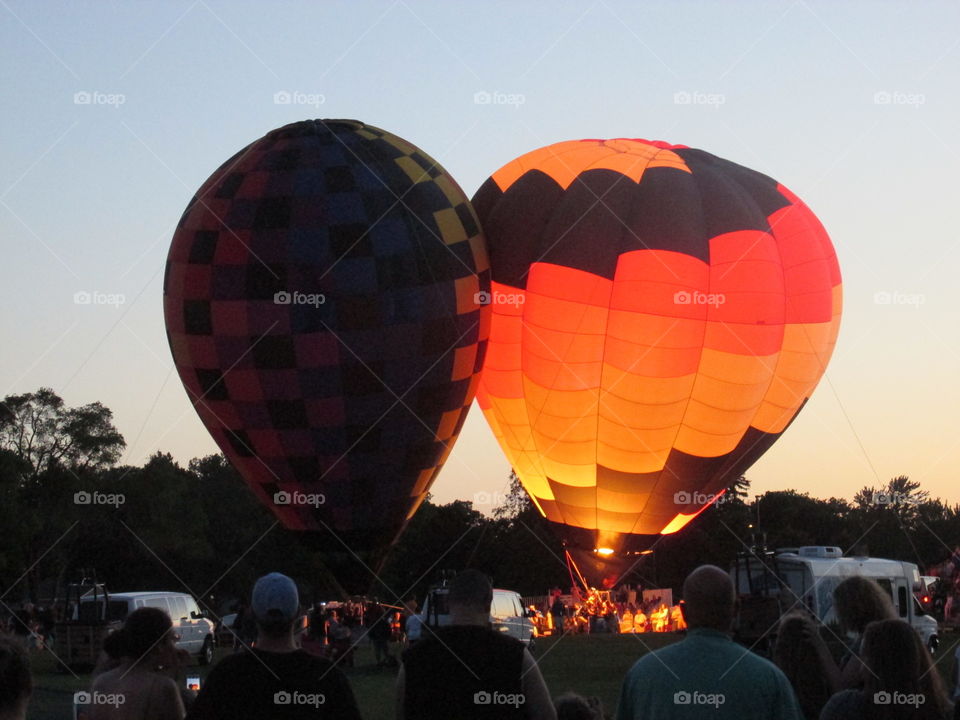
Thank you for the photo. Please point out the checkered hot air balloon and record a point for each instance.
(321, 303)
(660, 316)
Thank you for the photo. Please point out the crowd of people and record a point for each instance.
(598, 612)
(31, 624)
(945, 602)
(467, 670)
(334, 630)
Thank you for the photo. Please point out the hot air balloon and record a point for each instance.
(321, 304)
(660, 316)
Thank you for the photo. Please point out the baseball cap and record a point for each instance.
(275, 597)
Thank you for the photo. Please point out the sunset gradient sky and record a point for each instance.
(114, 113)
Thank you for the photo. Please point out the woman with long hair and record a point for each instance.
(804, 658)
(140, 686)
(900, 681)
(859, 601)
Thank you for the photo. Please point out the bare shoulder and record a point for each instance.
(106, 681)
(165, 701)
(165, 686)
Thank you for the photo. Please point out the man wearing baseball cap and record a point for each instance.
(275, 679)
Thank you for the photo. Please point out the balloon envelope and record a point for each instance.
(660, 316)
(321, 307)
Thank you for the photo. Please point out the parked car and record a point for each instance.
(507, 615)
(196, 631)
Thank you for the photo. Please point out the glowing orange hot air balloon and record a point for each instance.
(660, 316)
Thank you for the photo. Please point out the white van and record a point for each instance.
(196, 631)
(507, 615)
(807, 577)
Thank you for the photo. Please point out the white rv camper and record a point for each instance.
(807, 576)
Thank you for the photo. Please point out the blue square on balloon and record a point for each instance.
(311, 313)
(308, 182)
(367, 178)
(320, 382)
(241, 214)
(333, 154)
(408, 305)
(343, 208)
(356, 276)
(309, 245)
(390, 237)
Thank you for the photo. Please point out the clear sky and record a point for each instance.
(114, 113)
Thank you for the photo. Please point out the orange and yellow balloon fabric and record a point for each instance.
(660, 316)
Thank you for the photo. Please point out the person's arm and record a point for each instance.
(829, 665)
(536, 698)
(851, 677)
(168, 705)
(401, 690)
(97, 712)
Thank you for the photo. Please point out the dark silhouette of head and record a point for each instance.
(859, 601)
(898, 668)
(709, 599)
(571, 706)
(796, 652)
(470, 593)
(142, 632)
(275, 602)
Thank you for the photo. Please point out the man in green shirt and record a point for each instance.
(706, 675)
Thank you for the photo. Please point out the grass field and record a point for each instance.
(586, 664)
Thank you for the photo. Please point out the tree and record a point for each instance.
(438, 537)
(53, 452)
(517, 501)
(889, 518)
(41, 431)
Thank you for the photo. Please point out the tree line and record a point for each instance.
(69, 509)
